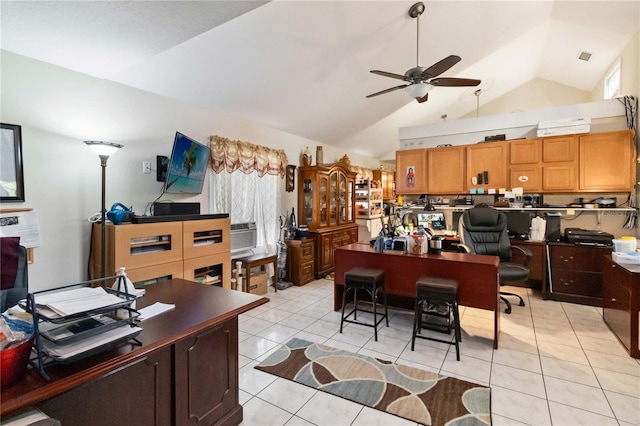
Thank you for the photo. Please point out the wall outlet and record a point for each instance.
(146, 167)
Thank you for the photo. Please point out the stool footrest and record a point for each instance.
(382, 316)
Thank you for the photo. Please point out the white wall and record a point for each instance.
(630, 71)
(537, 93)
(58, 109)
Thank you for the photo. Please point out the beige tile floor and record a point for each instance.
(558, 363)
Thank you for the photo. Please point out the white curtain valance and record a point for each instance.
(246, 157)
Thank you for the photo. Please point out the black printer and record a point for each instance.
(587, 237)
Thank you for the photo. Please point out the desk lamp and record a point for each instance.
(104, 150)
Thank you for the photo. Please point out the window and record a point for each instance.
(612, 82)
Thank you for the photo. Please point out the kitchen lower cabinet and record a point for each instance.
(621, 302)
(574, 273)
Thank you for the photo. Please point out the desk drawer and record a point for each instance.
(575, 282)
(306, 272)
(306, 251)
(577, 258)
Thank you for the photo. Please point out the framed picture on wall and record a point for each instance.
(290, 178)
(11, 175)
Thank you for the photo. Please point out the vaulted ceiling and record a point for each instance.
(303, 66)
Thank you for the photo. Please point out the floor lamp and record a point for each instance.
(104, 150)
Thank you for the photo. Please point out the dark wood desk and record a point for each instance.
(185, 372)
(621, 302)
(477, 275)
(258, 259)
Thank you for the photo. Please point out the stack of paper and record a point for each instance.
(78, 300)
(66, 351)
(153, 310)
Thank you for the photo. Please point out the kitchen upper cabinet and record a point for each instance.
(387, 180)
(525, 160)
(411, 171)
(607, 161)
(559, 178)
(560, 149)
(490, 157)
(560, 164)
(525, 151)
(445, 170)
(529, 177)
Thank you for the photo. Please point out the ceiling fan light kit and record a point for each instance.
(418, 90)
(420, 79)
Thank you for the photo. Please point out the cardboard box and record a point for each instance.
(258, 283)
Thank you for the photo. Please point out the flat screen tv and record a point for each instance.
(187, 166)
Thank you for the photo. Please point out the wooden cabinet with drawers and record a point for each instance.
(327, 240)
(300, 260)
(196, 250)
(575, 273)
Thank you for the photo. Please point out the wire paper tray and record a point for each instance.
(83, 327)
(92, 345)
(47, 314)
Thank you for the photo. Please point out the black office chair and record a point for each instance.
(483, 230)
(15, 282)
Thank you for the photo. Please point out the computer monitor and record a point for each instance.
(456, 220)
(518, 223)
(434, 221)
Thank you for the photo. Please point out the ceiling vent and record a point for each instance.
(584, 56)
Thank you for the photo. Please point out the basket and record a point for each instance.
(13, 363)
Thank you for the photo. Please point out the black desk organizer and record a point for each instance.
(109, 322)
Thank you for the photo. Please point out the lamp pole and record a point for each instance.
(104, 150)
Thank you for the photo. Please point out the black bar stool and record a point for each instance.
(371, 281)
(436, 290)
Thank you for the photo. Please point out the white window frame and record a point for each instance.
(611, 91)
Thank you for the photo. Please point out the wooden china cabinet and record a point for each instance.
(326, 205)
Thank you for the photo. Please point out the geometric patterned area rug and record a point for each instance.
(417, 395)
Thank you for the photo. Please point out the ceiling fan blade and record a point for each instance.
(440, 67)
(390, 74)
(454, 82)
(382, 92)
(423, 99)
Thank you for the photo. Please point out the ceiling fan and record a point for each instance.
(420, 79)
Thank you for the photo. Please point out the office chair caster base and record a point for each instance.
(508, 308)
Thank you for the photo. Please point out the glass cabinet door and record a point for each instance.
(350, 195)
(307, 202)
(323, 198)
(333, 199)
(342, 198)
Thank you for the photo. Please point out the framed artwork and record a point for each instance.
(290, 178)
(11, 175)
(411, 177)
